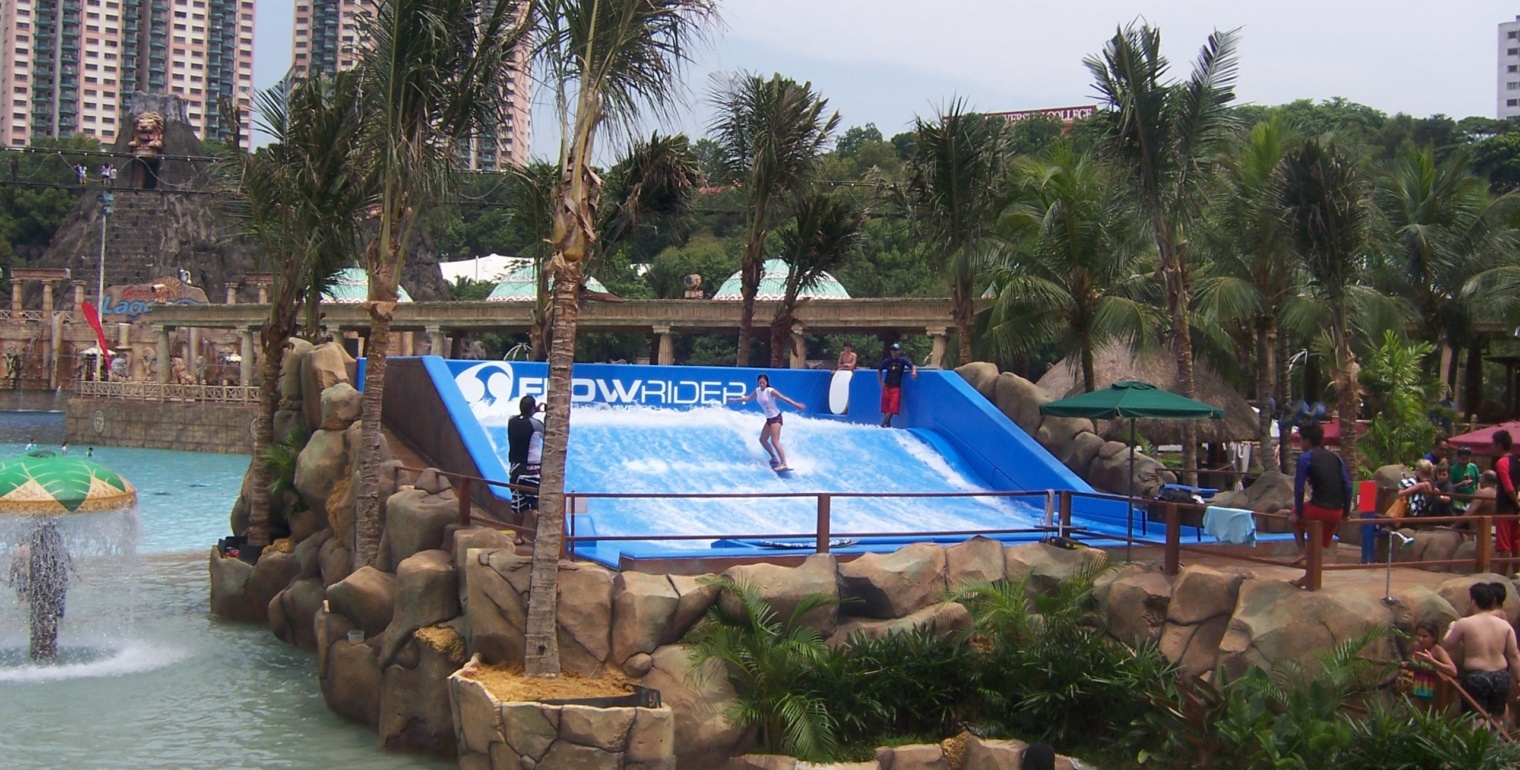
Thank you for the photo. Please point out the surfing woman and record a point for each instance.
(770, 434)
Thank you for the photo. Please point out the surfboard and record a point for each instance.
(839, 392)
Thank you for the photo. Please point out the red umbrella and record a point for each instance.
(1482, 441)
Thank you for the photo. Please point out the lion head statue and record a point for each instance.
(147, 134)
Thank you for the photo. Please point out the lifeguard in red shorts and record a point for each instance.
(1329, 482)
(890, 375)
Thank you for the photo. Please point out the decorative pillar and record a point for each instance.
(165, 363)
(361, 341)
(263, 294)
(937, 352)
(193, 355)
(245, 353)
(79, 296)
(667, 344)
(436, 341)
(124, 335)
(47, 299)
(232, 293)
(408, 341)
(55, 350)
(15, 298)
(798, 357)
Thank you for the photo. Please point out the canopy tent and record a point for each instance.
(1116, 362)
(520, 284)
(1482, 441)
(350, 286)
(491, 267)
(772, 287)
(1132, 400)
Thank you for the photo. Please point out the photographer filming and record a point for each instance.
(525, 449)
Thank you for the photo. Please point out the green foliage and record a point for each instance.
(1400, 394)
(280, 458)
(712, 258)
(1045, 667)
(912, 682)
(768, 660)
(467, 290)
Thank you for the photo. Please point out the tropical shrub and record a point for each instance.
(914, 682)
(1400, 395)
(1046, 669)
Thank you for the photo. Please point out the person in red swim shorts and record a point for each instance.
(890, 375)
(1506, 502)
(1328, 484)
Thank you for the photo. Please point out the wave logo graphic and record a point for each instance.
(487, 387)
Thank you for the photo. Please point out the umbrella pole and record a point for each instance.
(1130, 541)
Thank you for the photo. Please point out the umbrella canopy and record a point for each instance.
(44, 483)
(1130, 399)
(1482, 441)
(1116, 362)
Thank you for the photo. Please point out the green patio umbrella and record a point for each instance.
(44, 483)
(1132, 400)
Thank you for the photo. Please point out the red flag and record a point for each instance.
(92, 316)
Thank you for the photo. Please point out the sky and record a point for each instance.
(887, 61)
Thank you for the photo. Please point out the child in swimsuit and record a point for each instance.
(1426, 663)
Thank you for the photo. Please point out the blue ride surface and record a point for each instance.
(666, 429)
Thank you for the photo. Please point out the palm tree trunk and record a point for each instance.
(1089, 373)
(749, 274)
(367, 514)
(1474, 378)
(1285, 396)
(1266, 397)
(963, 312)
(1347, 397)
(263, 435)
(541, 658)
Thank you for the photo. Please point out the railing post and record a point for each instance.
(1484, 553)
(1065, 507)
(464, 500)
(567, 525)
(1173, 561)
(1315, 563)
(824, 504)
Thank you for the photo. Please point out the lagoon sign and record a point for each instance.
(135, 300)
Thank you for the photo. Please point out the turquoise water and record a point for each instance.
(186, 690)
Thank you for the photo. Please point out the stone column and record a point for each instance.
(263, 294)
(667, 354)
(361, 341)
(165, 365)
(123, 335)
(193, 345)
(937, 352)
(79, 297)
(55, 349)
(798, 353)
(16, 298)
(436, 341)
(408, 341)
(232, 293)
(47, 299)
(245, 351)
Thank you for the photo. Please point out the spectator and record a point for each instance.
(1440, 451)
(1420, 493)
(80, 174)
(1464, 477)
(847, 358)
(1507, 473)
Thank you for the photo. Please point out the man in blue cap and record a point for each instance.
(890, 375)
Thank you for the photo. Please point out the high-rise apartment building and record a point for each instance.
(329, 36)
(71, 66)
(1509, 69)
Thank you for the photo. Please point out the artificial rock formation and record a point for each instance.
(1103, 464)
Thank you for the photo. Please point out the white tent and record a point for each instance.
(491, 267)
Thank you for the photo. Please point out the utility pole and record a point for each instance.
(106, 199)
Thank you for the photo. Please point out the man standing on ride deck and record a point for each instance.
(525, 448)
(890, 374)
(1506, 503)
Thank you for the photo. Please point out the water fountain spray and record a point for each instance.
(55, 511)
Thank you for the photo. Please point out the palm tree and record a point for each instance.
(770, 135)
(1252, 273)
(1072, 271)
(1166, 133)
(1443, 227)
(953, 187)
(823, 233)
(303, 203)
(1325, 206)
(531, 211)
(435, 73)
(608, 60)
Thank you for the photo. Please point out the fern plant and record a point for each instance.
(770, 662)
(280, 458)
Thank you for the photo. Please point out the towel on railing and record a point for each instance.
(1235, 526)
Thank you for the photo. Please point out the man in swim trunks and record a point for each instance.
(847, 359)
(1484, 643)
(889, 374)
(1329, 488)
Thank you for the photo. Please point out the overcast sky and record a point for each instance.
(885, 61)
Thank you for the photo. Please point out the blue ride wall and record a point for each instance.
(939, 406)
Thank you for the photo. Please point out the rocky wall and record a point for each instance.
(493, 735)
(183, 427)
